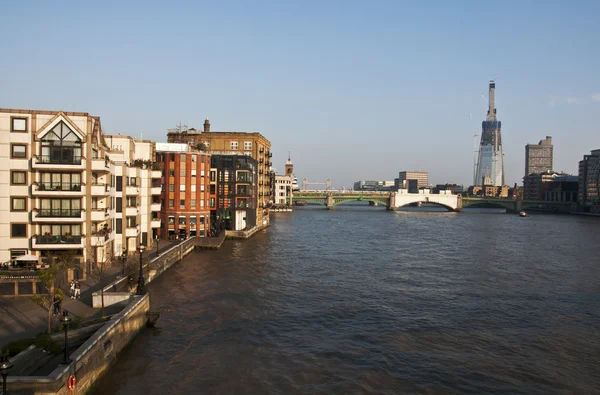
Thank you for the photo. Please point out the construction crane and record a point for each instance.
(306, 183)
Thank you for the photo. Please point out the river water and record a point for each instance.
(364, 301)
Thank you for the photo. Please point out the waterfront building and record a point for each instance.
(136, 182)
(252, 144)
(185, 204)
(374, 185)
(490, 163)
(454, 188)
(538, 157)
(236, 195)
(536, 185)
(589, 183)
(412, 180)
(563, 188)
(282, 190)
(490, 191)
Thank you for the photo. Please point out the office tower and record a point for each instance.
(538, 157)
(490, 164)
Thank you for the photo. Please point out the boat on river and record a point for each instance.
(301, 203)
(522, 214)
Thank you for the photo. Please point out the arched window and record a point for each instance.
(61, 145)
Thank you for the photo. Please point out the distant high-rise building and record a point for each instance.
(490, 163)
(538, 157)
(589, 183)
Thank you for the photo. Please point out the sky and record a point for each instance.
(355, 90)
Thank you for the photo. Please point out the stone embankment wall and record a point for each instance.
(90, 360)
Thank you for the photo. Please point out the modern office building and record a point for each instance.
(185, 210)
(412, 180)
(536, 185)
(373, 185)
(455, 189)
(538, 157)
(490, 163)
(236, 192)
(563, 188)
(589, 183)
(252, 144)
(59, 182)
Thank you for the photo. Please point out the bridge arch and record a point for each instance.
(430, 202)
(382, 201)
(489, 204)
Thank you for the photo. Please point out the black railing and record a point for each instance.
(244, 179)
(59, 239)
(59, 212)
(70, 160)
(59, 187)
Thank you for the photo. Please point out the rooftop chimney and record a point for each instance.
(206, 126)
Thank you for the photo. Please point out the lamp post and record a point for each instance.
(65, 320)
(5, 366)
(156, 244)
(123, 256)
(140, 287)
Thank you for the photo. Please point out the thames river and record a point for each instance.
(364, 301)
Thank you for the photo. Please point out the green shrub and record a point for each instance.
(43, 341)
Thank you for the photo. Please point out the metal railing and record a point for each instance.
(74, 213)
(51, 159)
(59, 239)
(59, 187)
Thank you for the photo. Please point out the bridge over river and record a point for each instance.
(401, 198)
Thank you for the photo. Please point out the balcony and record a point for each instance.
(47, 189)
(132, 190)
(57, 215)
(156, 190)
(155, 223)
(132, 232)
(100, 214)
(100, 189)
(43, 162)
(100, 165)
(63, 242)
(155, 207)
(156, 174)
(132, 211)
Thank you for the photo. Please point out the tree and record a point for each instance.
(201, 146)
(100, 262)
(49, 278)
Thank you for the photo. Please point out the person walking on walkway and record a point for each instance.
(77, 290)
(56, 305)
(72, 289)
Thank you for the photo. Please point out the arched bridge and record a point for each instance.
(391, 200)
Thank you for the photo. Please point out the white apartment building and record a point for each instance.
(282, 190)
(58, 188)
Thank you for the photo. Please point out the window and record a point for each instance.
(18, 124)
(131, 222)
(119, 225)
(60, 208)
(171, 203)
(18, 177)
(193, 203)
(206, 144)
(182, 172)
(172, 157)
(172, 172)
(119, 203)
(132, 182)
(60, 182)
(234, 145)
(193, 222)
(193, 187)
(119, 183)
(182, 157)
(201, 202)
(171, 187)
(171, 220)
(247, 145)
(182, 220)
(18, 151)
(212, 202)
(193, 172)
(182, 203)
(18, 204)
(202, 220)
(202, 187)
(202, 174)
(18, 230)
(61, 145)
(182, 187)
(194, 158)
(131, 201)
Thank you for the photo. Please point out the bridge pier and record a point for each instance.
(330, 202)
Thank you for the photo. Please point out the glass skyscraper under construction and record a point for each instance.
(490, 164)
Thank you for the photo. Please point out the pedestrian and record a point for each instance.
(56, 304)
(77, 290)
(72, 289)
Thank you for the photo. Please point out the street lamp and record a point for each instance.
(140, 287)
(65, 320)
(123, 257)
(156, 244)
(5, 366)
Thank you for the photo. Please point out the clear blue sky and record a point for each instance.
(355, 90)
